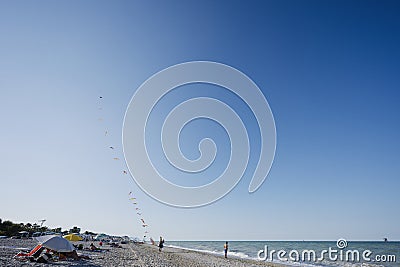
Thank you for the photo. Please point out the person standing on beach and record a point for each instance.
(226, 249)
(160, 244)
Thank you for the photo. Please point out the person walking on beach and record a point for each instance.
(226, 249)
(160, 244)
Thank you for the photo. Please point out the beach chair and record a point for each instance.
(34, 253)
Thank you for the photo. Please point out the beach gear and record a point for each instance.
(56, 243)
(35, 252)
(43, 259)
(73, 237)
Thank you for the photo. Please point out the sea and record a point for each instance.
(339, 253)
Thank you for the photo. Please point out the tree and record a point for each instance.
(7, 223)
(8, 228)
(75, 230)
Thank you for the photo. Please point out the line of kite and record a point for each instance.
(143, 222)
(132, 198)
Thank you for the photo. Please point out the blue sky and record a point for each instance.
(329, 70)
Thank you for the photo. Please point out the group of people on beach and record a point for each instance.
(41, 254)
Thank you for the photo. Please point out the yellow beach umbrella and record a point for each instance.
(73, 237)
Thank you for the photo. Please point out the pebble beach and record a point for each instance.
(137, 255)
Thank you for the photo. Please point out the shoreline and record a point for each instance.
(173, 256)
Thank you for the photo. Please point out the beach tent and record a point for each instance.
(56, 243)
(73, 237)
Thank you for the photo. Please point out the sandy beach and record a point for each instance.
(138, 255)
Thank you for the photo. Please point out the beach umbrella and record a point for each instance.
(56, 243)
(73, 237)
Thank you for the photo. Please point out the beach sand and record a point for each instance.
(137, 255)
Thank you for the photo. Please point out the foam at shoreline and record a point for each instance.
(240, 255)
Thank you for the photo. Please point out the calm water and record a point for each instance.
(250, 249)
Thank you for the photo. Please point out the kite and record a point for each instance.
(111, 147)
(105, 133)
(116, 158)
(134, 202)
(125, 172)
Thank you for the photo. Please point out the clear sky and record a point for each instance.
(330, 72)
